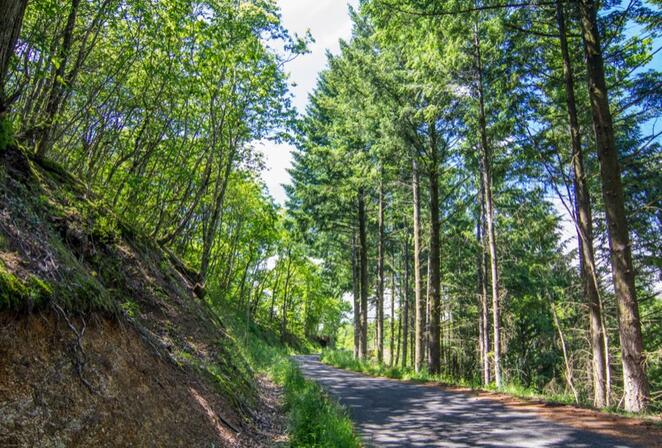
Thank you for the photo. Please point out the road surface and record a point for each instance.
(390, 413)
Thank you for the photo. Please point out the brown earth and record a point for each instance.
(118, 350)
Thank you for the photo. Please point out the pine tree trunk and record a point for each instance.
(355, 293)
(568, 368)
(392, 339)
(419, 347)
(584, 225)
(484, 319)
(434, 282)
(363, 277)
(486, 171)
(426, 323)
(632, 357)
(405, 310)
(380, 273)
(11, 20)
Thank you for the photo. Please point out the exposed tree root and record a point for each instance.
(80, 358)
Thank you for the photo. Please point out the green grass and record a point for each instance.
(6, 132)
(314, 419)
(19, 295)
(345, 360)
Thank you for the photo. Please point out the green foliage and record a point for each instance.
(18, 295)
(157, 109)
(130, 308)
(383, 104)
(315, 421)
(6, 132)
(344, 359)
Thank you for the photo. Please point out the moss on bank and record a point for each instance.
(19, 295)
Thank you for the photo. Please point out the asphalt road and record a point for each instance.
(391, 413)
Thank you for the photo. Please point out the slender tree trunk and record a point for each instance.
(392, 338)
(484, 330)
(426, 334)
(400, 324)
(217, 211)
(412, 337)
(634, 374)
(286, 292)
(568, 368)
(273, 296)
(405, 294)
(44, 141)
(584, 224)
(363, 276)
(486, 170)
(11, 20)
(355, 292)
(434, 290)
(380, 272)
(419, 349)
(242, 287)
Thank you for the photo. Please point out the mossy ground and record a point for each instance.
(67, 260)
(65, 255)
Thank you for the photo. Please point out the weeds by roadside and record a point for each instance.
(314, 420)
(345, 360)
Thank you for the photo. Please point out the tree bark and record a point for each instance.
(418, 286)
(356, 287)
(484, 319)
(405, 311)
(632, 357)
(380, 272)
(44, 141)
(568, 368)
(11, 21)
(288, 276)
(434, 280)
(217, 211)
(273, 295)
(392, 338)
(363, 276)
(584, 224)
(486, 171)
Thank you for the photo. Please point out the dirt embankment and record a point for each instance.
(103, 341)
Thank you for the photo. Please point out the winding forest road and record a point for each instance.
(391, 413)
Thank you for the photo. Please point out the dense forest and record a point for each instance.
(440, 152)
(475, 191)
(156, 106)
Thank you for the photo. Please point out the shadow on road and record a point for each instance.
(391, 413)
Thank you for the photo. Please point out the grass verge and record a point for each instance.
(314, 419)
(345, 360)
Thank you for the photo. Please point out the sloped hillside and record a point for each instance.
(103, 340)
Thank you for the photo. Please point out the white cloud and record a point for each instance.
(328, 21)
